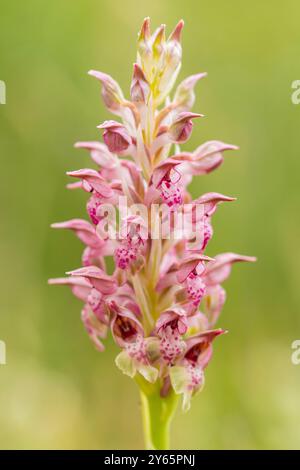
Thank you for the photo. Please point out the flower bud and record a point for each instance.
(111, 92)
(98, 278)
(144, 34)
(99, 154)
(173, 53)
(208, 157)
(140, 89)
(181, 128)
(184, 98)
(173, 47)
(159, 41)
(92, 181)
(115, 136)
(144, 52)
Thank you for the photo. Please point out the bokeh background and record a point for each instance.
(56, 391)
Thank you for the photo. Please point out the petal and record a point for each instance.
(171, 55)
(76, 185)
(144, 33)
(219, 269)
(115, 136)
(111, 92)
(211, 200)
(209, 156)
(179, 378)
(94, 327)
(176, 313)
(98, 278)
(139, 89)
(199, 347)
(181, 128)
(162, 170)
(94, 180)
(176, 33)
(186, 380)
(167, 280)
(197, 323)
(149, 373)
(188, 265)
(134, 226)
(152, 348)
(99, 153)
(83, 229)
(214, 301)
(126, 364)
(185, 96)
(125, 326)
(80, 286)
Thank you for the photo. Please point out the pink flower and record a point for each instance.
(158, 295)
(93, 314)
(101, 281)
(95, 247)
(115, 136)
(184, 98)
(133, 238)
(140, 89)
(219, 269)
(201, 220)
(111, 92)
(92, 181)
(187, 378)
(125, 326)
(181, 129)
(166, 178)
(96, 329)
(170, 327)
(99, 154)
(191, 272)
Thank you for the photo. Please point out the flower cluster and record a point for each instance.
(163, 295)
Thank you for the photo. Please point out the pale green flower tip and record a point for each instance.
(125, 364)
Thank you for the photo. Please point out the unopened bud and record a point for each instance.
(185, 96)
(172, 60)
(176, 33)
(144, 34)
(140, 88)
(182, 127)
(159, 42)
(115, 136)
(144, 52)
(111, 92)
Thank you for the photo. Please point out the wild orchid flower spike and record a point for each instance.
(145, 277)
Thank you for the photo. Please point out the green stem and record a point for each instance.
(157, 414)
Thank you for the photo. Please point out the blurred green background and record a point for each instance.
(56, 391)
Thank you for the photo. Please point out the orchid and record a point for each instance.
(145, 277)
